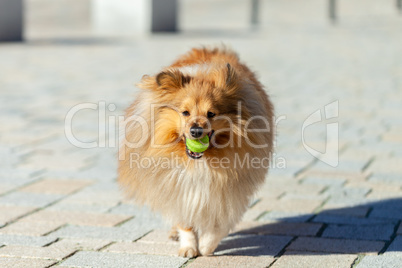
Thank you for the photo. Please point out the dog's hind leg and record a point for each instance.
(174, 233)
(188, 242)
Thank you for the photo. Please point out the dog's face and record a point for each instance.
(193, 107)
(198, 113)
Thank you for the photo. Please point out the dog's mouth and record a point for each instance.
(195, 155)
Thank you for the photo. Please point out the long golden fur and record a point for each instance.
(211, 89)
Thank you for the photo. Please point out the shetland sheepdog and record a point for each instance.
(207, 91)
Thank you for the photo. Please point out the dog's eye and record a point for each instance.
(186, 113)
(210, 114)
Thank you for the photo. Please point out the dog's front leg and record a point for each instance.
(210, 238)
(188, 242)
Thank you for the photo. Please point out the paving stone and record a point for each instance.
(105, 198)
(108, 259)
(359, 232)
(10, 213)
(337, 209)
(382, 261)
(386, 165)
(232, 261)
(381, 193)
(98, 173)
(66, 205)
(254, 213)
(346, 166)
(144, 248)
(81, 244)
(347, 192)
(142, 215)
(324, 181)
(399, 231)
(386, 177)
(395, 247)
(347, 246)
(278, 228)
(62, 187)
(76, 218)
(145, 221)
(285, 216)
(289, 205)
(349, 201)
(107, 233)
(315, 197)
(328, 218)
(387, 212)
(32, 252)
(8, 262)
(30, 228)
(252, 245)
(24, 240)
(29, 199)
(54, 161)
(6, 187)
(313, 260)
(18, 177)
(158, 236)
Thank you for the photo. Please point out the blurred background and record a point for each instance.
(94, 18)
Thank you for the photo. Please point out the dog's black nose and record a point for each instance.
(196, 132)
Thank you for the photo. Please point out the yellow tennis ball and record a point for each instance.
(199, 145)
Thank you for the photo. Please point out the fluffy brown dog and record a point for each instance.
(203, 194)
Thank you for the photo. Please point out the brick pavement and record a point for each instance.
(60, 205)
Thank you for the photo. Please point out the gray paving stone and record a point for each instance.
(25, 240)
(395, 247)
(107, 233)
(146, 222)
(328, 245)
(343, 166)
(338, 192)
(92, 208)
(18, 177)
(349, 201)
(360, 232)
(387, 213)
(335, 219)
(252, 245)
(131, 209)
(107, 259)
(394, 178)
(382, 261)
(143, 216)
(285, 216)
(358, 211)
(313, 260)
(12, 174)
(283, 228)
(324, 181)
(29, 199)
(8, 262)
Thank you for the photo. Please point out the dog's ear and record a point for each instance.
(231, 77)
(171, 80)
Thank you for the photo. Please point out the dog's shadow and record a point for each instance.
(328, 232)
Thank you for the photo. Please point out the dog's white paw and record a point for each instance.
(206, 250)
(188, 252)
